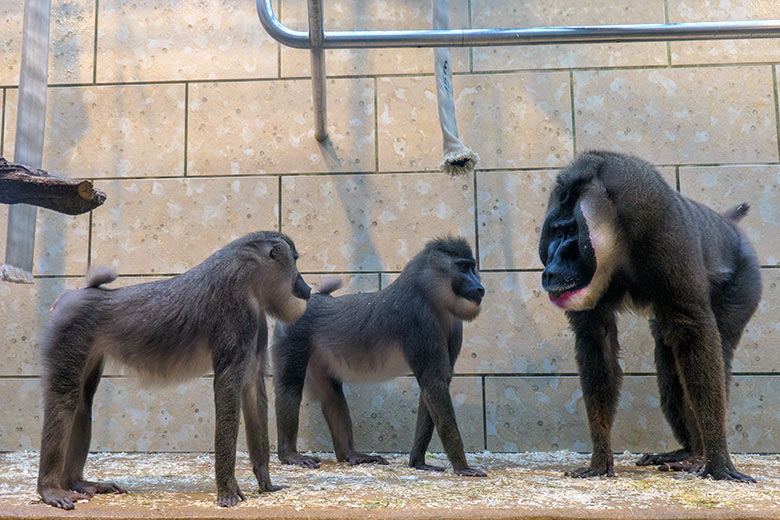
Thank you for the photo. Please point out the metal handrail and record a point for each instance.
(487, 37)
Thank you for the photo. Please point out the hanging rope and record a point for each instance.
(459, 159)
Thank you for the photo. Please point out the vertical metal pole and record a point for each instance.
(30, 125)
(316, 36)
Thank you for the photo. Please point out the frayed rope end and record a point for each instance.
(461, 162)
(10, 273)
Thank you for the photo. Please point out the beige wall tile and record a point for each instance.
(530, 13)
(511, 210)
(163, 40)
(511, 120)
(110, 131)
(346, 15)
(21, 415)
(387, 278)
(753, 419)
(726, 51)
(171, 225)
(637, 346)
(126, 416)
(23, 313)
(518, 330)
(373, 222)
(71, 41)
(130, 417)
(679, 116)
(61, 242)
(384, 416)
(269, 127)
(548, 413)
(724, 187)
(757, 352)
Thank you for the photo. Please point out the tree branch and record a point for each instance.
(20, 184)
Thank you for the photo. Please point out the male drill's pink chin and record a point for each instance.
(562, 300)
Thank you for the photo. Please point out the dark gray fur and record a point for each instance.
(414, 324)
(209, 318)
(692, 269)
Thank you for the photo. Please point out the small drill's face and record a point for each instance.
(467, 287)
(579, 248)
(453, 274)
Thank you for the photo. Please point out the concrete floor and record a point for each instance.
(527, 486)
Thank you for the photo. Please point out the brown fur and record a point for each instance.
(414, 324)
(211, 317)
(616, 234)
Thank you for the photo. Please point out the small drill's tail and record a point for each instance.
(100, 275)
(329, 285)
(736, 213)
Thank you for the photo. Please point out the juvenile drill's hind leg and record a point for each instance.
(290, 362)
(423, 433)
(79, 438)
(228, 379)
(254, 402)
(336, 412)
(64, 362)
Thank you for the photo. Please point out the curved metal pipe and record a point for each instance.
(525, 36)
(553, 35)
(317, 40)
(278, 31)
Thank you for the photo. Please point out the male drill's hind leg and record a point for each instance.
(336, 411)
(677, 411)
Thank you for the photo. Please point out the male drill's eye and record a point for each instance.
(464, 268)
(565, 229)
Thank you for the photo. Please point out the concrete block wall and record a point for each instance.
(199, 128)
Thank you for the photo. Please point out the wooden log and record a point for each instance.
(20, 184)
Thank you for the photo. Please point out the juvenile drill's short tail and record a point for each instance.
(329, 285)
(736, 213)
(100, 275)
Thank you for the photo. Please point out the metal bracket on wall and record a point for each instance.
(317, 39)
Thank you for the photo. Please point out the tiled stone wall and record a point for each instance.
(199, 128)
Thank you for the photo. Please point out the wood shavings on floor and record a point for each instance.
(518, 485)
